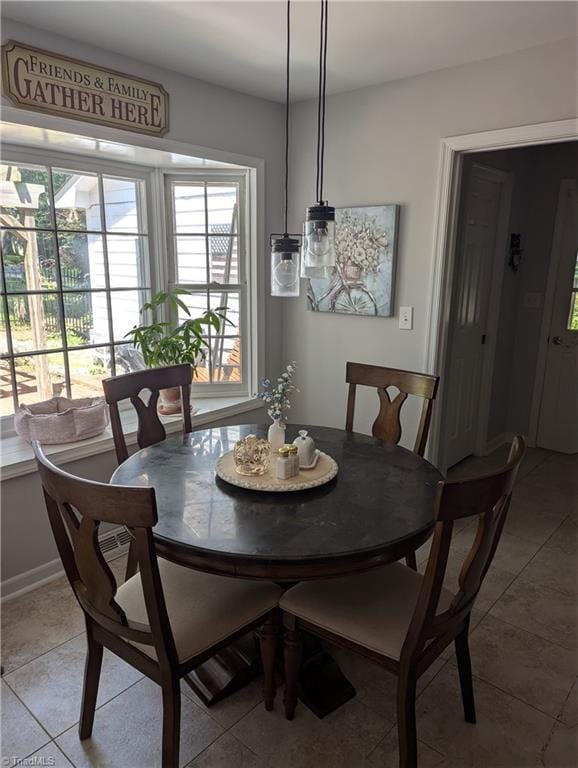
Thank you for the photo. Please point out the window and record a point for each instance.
(75, 272)
(206, 223)
(573, 314)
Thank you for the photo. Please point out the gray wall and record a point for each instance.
(200, 114)
(383, 145)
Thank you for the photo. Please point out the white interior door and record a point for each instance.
(558, 423)
(475, 253)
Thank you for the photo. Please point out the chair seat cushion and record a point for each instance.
(372, 609)
(203, 609)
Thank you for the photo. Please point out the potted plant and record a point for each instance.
(164, 343)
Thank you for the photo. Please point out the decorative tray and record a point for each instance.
(325, 470)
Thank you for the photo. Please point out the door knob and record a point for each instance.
(557, 340)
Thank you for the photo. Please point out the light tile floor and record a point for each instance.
(524, 654)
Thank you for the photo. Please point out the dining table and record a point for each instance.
(376, 510)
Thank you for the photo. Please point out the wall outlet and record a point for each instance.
(406, 318)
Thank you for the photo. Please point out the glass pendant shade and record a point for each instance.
(318, 250)
(284, 266)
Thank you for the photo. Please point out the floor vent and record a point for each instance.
(114, 543)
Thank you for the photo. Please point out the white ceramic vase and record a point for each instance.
(276, 435)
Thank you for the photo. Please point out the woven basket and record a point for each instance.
(60, 420)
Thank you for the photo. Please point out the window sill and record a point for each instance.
(17, 458)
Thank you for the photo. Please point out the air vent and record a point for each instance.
(114, 543)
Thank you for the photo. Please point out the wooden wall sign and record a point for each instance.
(46, 82)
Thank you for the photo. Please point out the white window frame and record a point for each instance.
(242, 179)
(12, 154)
(160, 266)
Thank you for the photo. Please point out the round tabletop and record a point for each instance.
(377, 509)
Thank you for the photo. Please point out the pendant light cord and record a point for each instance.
(322, 89)
(287, 71)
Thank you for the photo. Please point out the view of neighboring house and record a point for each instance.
(102, 244)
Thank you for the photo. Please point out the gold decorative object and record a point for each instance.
(252, 455)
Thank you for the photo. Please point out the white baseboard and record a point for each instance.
(32, 579)
(493, 444)
(43, 574)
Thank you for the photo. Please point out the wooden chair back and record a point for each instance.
(129, 386)
(487, 498)
(76, 508)
(387, 426)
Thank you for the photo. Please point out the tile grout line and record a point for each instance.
(100, 706)
(558, 718)
(40, 655)
(207, 711)
(555, 718)
(387, 733)
(522, 629)
(512, 696)
(546, 460)
(227, 731)
(538, 552)
(33, 716)
(54, 647)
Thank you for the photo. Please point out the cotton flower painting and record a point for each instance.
(362, 281)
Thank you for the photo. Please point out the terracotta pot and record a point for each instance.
(169, 401)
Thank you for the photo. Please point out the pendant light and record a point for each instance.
(285, 248)
(318, 252)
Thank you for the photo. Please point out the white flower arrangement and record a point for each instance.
(276, 395)
(359, 241)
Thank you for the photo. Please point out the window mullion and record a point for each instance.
(208, 272)
(106, 274)
(60, 294)
(11, 363)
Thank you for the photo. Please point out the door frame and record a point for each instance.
(565, 186)
(452, 150)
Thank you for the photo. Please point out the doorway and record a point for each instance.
(556, 388)
(493, 290)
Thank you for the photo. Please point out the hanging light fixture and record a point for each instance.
(318, 252)
(285, 248)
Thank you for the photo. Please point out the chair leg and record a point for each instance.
(465, 671)
(406, 721)
(292, 659)
(132, 561)
(410, 561)
(171, 723)
(92, 667)
(268, 639)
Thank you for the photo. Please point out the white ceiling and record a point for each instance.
(240, 44)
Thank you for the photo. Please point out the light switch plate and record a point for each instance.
(406, 318)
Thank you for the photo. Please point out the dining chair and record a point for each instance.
(399, 618)
(165, 620)
(150, 428)
(387, 425)
(129, 386)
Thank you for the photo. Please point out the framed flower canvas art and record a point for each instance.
(363, 279)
